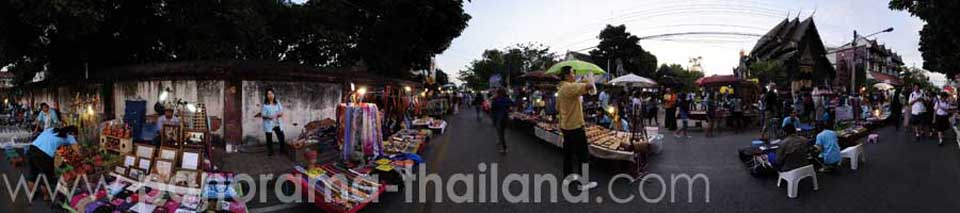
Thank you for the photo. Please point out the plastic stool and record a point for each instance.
(855, 154)
(794, 176)
(873, 138)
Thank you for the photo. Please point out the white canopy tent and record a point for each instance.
(633, 81)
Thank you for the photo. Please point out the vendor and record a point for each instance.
(47, 118)
(44, 148)
(791, 120)
(271, 112)
(168, 119)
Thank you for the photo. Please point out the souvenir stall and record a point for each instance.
(537, 106)
(176, 177)
(173, 181)
(361, 145)
(747, 90)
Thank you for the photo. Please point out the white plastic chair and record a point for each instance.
(855, 154)
(794, 176)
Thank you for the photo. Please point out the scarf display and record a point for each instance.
(359, 133)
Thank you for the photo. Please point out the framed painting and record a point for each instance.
(191, 159)
(168, 153)
(145, 151)
(195, 139)
(163, 169)
(170, 136)
(186, 178)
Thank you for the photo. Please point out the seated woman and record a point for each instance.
(829, 150)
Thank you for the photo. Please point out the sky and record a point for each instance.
(573, 25)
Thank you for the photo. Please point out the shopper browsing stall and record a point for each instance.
(827, 145)
(43, 150)
(47, 118)
(569, 105)
(271, 112)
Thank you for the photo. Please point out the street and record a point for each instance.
(919, 176)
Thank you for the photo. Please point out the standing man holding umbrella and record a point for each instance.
(570, 107)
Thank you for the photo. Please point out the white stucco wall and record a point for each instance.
(302, 102)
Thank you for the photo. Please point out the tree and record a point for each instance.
(618, 44)
(770, 72)
(510, 63)
(66, 37)
(442, 78)
(675, 76)
(916, 76)
(938, 38)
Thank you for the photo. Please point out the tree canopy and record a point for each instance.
(618, 44)
(675, 76)
(938, 38)
(67, 37)
(510, 62)
(770, 72)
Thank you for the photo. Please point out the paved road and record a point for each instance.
(901, 175)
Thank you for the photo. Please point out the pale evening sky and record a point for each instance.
(573, 25)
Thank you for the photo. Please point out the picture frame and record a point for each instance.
(145, 151)
(136, 174)
(164, 169)
(191, 159)
(145, 164)
(129, 161)
(168, 153)
(120, 170)
(186, 178)
(170, 136)
(194, 139)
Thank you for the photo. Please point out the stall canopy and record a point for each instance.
(885, 78)
(717, 80)
(883, 86)
(633, 80)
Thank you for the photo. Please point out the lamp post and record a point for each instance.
(853, 66)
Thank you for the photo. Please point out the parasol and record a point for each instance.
(633, 80)
(579, 67)
(883, 86)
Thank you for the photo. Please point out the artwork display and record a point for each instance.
(163, 169)
(186, 178)
(136, 173)
(145, 151)
(170, 136)
(167, 153)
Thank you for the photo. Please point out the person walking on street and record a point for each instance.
(670, 114)
(570, 107)
(478, 104)
(896, 109)
(500, 106)
(916, 110)
(941, 122)
(683, 104)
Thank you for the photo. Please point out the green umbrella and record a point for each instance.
(579, 67)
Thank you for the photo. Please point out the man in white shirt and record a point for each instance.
(916, 110)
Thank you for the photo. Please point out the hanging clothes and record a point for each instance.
(360, 131)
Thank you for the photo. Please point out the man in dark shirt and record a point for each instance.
(794, 151)
(500, 107)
